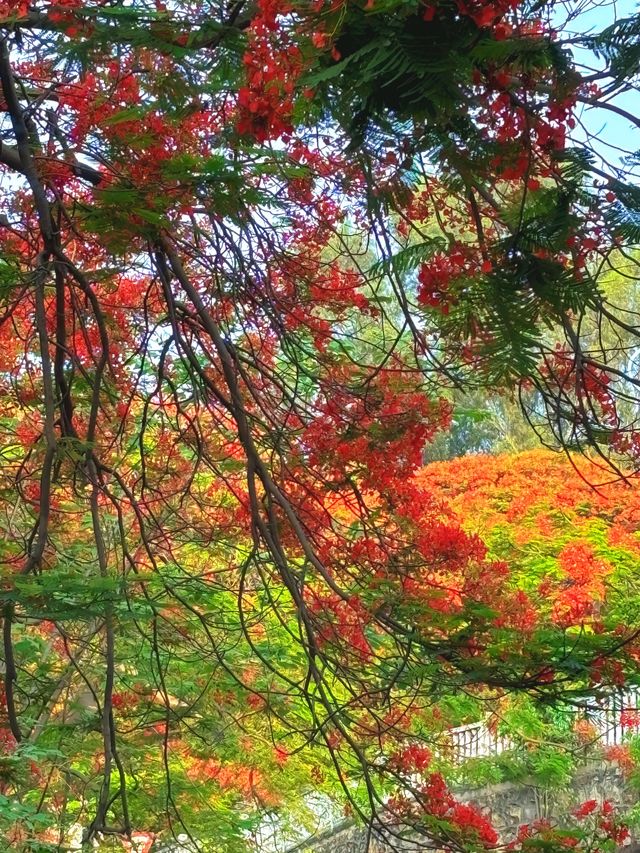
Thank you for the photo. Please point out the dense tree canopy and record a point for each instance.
(251, 252)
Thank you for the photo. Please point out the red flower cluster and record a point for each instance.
(412, 759)
(586, 808)
(433, 799)
(630, 718)
(232, 776)
(590, 385)
(621, 756)
(583, 584)
(124, 701)
(464, 818)
(338, 621)
(603, 826)
(61, 12)
(273, 65)
(10, 9)
(485, 14)
(482, 14)
(381, 429)
(442, 270)
(605, 818)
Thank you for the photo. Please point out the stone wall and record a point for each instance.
(509, 805)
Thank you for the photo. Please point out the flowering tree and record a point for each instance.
(572, 550)
(244, 248)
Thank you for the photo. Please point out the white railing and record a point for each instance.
(478, 740)
(608, 718)
(474, 741)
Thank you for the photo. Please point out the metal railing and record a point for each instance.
(475, 740)
(478, 740)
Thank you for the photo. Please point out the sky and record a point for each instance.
(616, 135)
